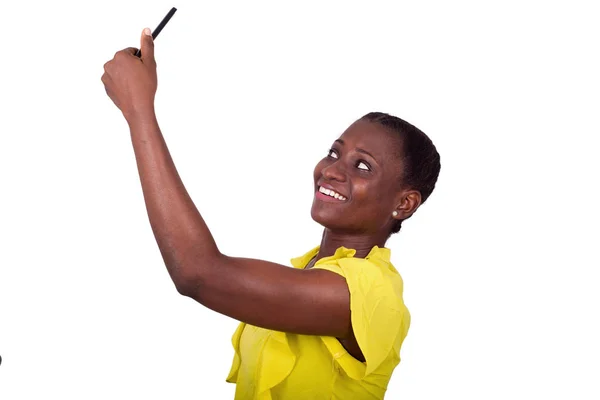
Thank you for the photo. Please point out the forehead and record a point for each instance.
(374, 138)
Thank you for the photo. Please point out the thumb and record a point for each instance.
(147, 45)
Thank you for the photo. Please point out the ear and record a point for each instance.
(407, 204)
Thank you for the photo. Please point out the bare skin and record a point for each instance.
(261, 293)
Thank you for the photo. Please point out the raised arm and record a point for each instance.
(254, 291)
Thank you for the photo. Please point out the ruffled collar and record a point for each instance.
(383, 253)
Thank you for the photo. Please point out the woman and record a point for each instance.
(332, 326)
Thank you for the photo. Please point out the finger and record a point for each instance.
(130, 50)
(147, 45)
(125, 52)
(107, 81)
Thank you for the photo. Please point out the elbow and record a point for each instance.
(190, 279)
(188, 284)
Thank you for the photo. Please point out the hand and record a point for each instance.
(130, 81)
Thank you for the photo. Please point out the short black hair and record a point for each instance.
(420, 159)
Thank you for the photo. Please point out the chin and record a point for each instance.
(327, 218)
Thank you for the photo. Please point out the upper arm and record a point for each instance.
(273, 296)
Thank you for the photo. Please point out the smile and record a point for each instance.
(331, 193)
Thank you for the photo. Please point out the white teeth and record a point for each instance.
(331, 193)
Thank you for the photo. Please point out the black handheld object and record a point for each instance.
(159, 28)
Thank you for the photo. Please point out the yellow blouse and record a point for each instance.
(270, 365)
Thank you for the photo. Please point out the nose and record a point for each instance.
(334, 171)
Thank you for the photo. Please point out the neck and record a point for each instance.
(363, 244)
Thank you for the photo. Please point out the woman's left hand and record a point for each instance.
(131, 81)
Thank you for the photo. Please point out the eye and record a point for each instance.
(332, 153)
(363, 165)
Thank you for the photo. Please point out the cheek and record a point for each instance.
(365, 190)
(361, 191)
(370, 197)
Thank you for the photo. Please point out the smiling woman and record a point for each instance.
(332, 326)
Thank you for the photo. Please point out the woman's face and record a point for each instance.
(362, 169)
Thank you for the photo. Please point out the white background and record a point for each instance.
(500, 265)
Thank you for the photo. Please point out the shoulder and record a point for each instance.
(372, 279)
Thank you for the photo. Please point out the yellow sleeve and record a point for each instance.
(379, 318)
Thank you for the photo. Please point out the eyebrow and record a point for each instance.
(358, 149)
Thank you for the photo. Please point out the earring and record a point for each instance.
(395, 213)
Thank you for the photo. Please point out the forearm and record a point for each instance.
(183, 238)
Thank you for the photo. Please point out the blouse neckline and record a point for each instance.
(382, 253)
